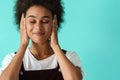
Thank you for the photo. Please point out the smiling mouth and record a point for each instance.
(40, 33)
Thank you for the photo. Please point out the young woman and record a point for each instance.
(39, 21)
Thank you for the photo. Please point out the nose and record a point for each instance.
(39, 26)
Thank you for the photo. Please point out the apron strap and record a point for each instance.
(22, 67)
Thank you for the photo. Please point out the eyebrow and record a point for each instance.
(35, 16)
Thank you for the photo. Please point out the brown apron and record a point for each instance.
(49, 74)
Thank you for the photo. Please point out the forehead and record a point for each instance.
(38, 12)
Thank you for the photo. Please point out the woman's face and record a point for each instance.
(39, 24)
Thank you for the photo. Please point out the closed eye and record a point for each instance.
(32, 22)
(45, 21)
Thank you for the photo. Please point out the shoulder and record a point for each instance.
(71, 54)
(7, 59)
(10, 55)
(73, 57)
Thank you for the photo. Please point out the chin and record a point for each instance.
(38, 41)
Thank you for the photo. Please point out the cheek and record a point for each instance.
(51, 27)
(29, 29)
(28, 25)
(49, 31)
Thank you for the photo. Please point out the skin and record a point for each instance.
(39, 26)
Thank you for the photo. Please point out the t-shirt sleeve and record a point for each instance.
(6, 61)
(74, 58)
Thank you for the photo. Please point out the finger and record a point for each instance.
(22, 21)
(24, 26)
(55, 23)
(55, 18)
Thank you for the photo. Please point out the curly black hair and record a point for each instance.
(55, 6)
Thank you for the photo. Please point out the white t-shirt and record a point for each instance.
(31, 63)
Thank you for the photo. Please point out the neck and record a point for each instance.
(41, 51)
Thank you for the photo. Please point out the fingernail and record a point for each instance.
(55, 16)
(23, 15)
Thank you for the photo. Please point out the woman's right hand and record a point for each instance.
(24, 39)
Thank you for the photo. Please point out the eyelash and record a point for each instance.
(45, 22)
(32, 22)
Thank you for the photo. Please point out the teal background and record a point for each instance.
(91, 28)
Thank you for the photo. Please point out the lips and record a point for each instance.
(39, 33)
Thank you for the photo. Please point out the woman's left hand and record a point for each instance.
(54, 35)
